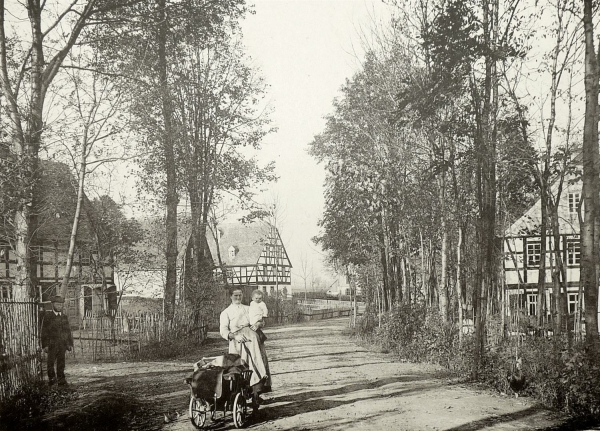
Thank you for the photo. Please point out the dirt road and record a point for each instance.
(323, 381)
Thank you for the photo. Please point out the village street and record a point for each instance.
(324, 381)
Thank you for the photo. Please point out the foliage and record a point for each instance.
(560, 377)
(418, 335)
(116, 233)
(26, 407)
(288, 310)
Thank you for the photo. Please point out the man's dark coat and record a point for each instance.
(56, 331)
(56, 335)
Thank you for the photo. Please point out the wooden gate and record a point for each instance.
(19, 346)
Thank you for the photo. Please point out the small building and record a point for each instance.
(252, 255)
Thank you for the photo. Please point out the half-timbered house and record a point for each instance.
(252, 255)
(56, 202)
(522, 253)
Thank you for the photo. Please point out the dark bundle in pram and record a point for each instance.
(210, 373)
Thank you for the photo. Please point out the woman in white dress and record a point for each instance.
(243, 340)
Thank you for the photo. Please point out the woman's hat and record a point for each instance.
(57, 298)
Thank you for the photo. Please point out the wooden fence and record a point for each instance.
(20, 352)
(330, 304)
(325, 313)
(126, 335)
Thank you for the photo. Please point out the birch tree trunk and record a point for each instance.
(459, 293)
(443, 287)
(74, 229)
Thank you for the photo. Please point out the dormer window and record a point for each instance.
(231, 252)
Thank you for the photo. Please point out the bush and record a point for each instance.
(416, 335)
(26, 407)
(560, 377)
(289, 311)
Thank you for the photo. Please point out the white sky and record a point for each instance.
(305, 50)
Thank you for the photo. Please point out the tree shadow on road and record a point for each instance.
(313, 401)
(302, 396)
(316, 355)
(310, 370)
(498, 419)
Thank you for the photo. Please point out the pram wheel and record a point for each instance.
(199, 410)
(240, 411)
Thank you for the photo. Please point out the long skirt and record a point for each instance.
(254, 354)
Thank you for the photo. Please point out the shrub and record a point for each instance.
(418, 335)
(26, 407)
(289, 311)
(560, 377)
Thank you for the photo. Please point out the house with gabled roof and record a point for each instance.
(91, 286)
(521, 245)
(252, 255)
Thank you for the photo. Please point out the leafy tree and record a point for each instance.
(29, 63)
(142, 43)
(217, 114)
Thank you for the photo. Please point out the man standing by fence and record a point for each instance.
(56, 340)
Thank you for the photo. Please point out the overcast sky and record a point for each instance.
(305, 50)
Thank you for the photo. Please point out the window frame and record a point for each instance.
(537, 251)
(6, 292)
(574, 202)
(574, 302)
(532, 304)
(573, 252)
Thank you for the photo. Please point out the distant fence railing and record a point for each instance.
(330, 313)
(330, 304)
(19, 346)
(126, 335)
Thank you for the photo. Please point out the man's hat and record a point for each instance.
(57, 298)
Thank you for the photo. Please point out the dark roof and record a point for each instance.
(55, 204)
(247, 239)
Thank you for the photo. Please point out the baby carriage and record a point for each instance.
(221, 384)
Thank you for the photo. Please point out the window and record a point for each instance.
(5, 291)
(573, 302)
(573, 202)
(3, 253)
(532, 304)
(573, 252)
(534, 250)
(231, 252)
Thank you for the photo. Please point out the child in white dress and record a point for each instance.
(258, 309)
